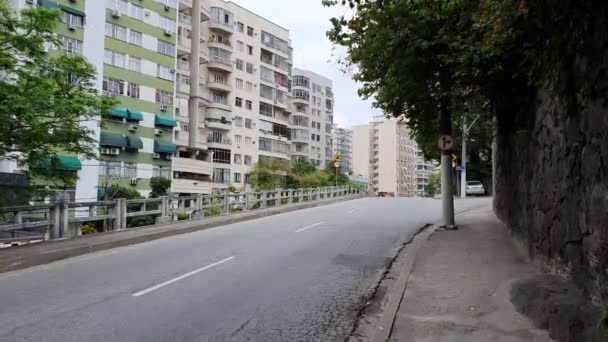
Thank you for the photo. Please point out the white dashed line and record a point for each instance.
(311, 226)
(168, 282)
(351, 211)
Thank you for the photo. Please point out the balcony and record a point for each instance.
(192, 166)
(218, 124)
(224, 44)
(220, 63)
(220, 142)
(185, 20)
(300, 100)
(183, 67)
(184, 44)
(216, 84)
(301, 151)
(189, 186)
(216, 24)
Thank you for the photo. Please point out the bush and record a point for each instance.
(140, 221)
(183, 216)
(87, 229)
(213, 211)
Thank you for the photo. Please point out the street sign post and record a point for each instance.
(337, 166)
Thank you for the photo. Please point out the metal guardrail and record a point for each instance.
(63, 219)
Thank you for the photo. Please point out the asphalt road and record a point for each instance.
(298, 276)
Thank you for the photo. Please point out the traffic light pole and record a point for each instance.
(463, 174)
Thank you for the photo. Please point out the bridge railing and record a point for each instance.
(64, 219)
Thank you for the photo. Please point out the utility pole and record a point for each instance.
(446, 144)
(463, 173)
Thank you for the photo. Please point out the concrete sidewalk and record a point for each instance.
(460, 287)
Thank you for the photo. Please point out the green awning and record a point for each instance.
(50, 4)
(119, 112)
(135, 115)
(163, 147)
(72, 10)
(134, 143)
(112, 140)
(65, 163)
(161, 120)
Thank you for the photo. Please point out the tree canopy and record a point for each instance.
(464, 57)
(44, 97)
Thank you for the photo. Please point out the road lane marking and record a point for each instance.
(311, 226)
(351, 211)
(189, 274)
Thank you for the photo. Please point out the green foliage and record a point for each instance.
(140, 221)
(183, 216)
(233, 189)
(302, 167)
(117, 191)
(87, 229)
(213, 211)
(43, 100)
(434, 184)
(160, 186)
(302, 174)
(467, 57)
(268, 175)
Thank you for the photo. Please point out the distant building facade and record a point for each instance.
(343, 145)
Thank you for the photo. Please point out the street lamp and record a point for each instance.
(463, 173)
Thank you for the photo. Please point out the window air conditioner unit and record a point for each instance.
(168, 157)
(147, 13)
(134, 180)
(156, 156)
(167, 8)
(133, 128)
(115, 13)
(105, 150)
(158, 132)
(71, 27)
(29, 2)
(168, 33)
(115, 151)
(164, 107)
(172, 71)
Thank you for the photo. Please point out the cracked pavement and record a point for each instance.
(281, 285)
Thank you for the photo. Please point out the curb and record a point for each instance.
(31, 255)
(385, 325)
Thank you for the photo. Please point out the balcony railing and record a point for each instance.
(223, 42)
(220, 59)
(217, 140)
(185, 19)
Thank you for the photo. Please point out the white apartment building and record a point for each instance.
(391, 161)
(424, 169)
(237, 113)
(312, 118)
(343, 145)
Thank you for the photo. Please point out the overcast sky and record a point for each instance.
(307, 21)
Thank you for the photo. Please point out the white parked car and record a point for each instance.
(475, 188)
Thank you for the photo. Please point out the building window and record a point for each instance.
(238, 139)
(314, 124)
(238, 121)
(130, 170)
(133, 90)
(72, 19)
(219, 97)
(220, 155)
(135, 37)
(249, 68)
(71, 45)
(240, 46)
(118, 5)
(249, 87)
(164, 97)
(113, 86)
(250, 50)
(248, 104)
(110, 169)
(221, 176)
(164, 72)
(167, 24)
(239, 83)
(238, 102)
(250, 31)
(248, 123)
(301, 81)
(237, 177)
(166, 48)
(318, 137)
(116, 31)
(248, 141)
(114, 58)
(238, 159)
(239, 64)
(137, 12)
(240, 27)
(135, 64)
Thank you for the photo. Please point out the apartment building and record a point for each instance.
(424, 169)
(391, 156)
(132, 45)
(312, 118)
(343, 145)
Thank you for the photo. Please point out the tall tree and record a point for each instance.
(43, 99)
